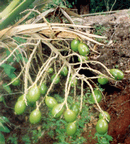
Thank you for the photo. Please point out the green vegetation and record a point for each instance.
(65, 116)
(103, 139)
(12, 10)
(108, 5)
(3, 128)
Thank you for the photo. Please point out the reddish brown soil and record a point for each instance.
(90, 139)
(117, 99)
(46, 140)
(117, 103)
(120, 118)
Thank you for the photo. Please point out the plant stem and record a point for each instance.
(13, 14)
(9, 8)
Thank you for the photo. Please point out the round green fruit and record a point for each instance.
(102, 80)
(57, 80)
(20, 98)
(74, 45)
(75, 108)
(57, 110)
(69, 115)
(16, 82)
(64, 71)
(118, 74)
(98, 96)
(33, 94)
(102, 126)
(71, 128)
(50, 70)
(32, 104)
(83, 49)
(83, 58)
(20, 107)
(35, 116)
(43, 89)
(101, 116)
(50, 101)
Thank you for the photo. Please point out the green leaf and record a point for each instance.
(10, 59)
(14, 13)
(109, 138)
(58, 131)
(51, 133)
(34, 133)
(26, 139)
(2, 138)
(9, 70)
(20, 57)
(4, 129)
(104, 141)
(12, 139)
(7, 88)
(3, 119)
(20, 40)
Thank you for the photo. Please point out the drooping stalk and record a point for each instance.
(13, 14)
(9, 8)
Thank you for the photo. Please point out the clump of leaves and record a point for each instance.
(3, 128)
(103, 139)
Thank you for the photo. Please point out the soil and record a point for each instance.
(114, 54)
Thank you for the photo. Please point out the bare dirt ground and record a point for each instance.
(116, 54)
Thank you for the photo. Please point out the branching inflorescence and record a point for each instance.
(48, 46)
